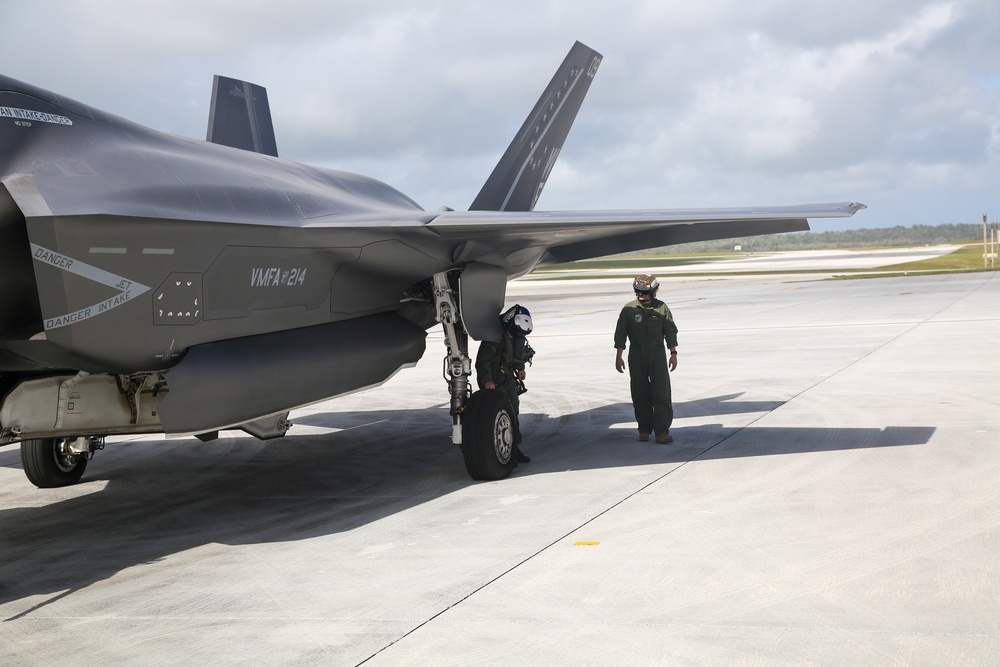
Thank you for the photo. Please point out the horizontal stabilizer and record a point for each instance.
(240, 116)
(518, 179)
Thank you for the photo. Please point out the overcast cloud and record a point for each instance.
(894, 103)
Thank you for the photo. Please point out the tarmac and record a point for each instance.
(831, 498)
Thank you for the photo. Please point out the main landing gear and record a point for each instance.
(50, 463)
(482, 424)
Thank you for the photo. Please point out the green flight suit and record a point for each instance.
(646, 328)
(493, 364)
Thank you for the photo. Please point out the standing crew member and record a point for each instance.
(501, 365)
(647, 323)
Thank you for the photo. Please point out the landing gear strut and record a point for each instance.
(483, 423)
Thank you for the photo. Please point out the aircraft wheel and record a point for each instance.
(488, 435)
(48, 463)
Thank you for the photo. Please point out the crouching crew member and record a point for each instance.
(501, 365)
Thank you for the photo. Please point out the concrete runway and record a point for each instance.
(831, 499)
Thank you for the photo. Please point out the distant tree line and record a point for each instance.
(916, 235)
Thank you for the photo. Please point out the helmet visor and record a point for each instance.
(521, 324)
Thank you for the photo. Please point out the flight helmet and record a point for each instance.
(516, 320)
(645, 285)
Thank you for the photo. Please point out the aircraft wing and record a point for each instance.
(516, 239)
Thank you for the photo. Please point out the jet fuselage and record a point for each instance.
(125, 246)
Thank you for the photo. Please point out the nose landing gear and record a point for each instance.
(488, 435)
(483, 423)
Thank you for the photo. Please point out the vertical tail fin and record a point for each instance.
(518, 179)
(240, 116)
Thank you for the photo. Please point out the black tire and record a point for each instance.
(48, 465)
(488, 432)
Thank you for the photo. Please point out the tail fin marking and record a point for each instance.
(520, 175)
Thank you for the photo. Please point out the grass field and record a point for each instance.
(966, 258)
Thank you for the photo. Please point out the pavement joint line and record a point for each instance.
(483, 586)
(978, 287)
(912, 325)
(553, 543)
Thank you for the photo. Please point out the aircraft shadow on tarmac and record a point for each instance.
(162, 497)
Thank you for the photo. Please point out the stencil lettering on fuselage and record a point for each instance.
(127, 289)
(248, 279)
(32, 115)
(178, 299)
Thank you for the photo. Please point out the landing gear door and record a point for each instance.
(482, 289)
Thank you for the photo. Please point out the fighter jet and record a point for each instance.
(159, 284)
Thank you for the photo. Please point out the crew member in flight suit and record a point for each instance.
(501, 365)
(647, 324)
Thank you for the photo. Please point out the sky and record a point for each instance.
(893, 103)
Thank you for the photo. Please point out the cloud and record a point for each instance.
(895, 103)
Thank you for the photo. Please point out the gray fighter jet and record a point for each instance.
(158, 284)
